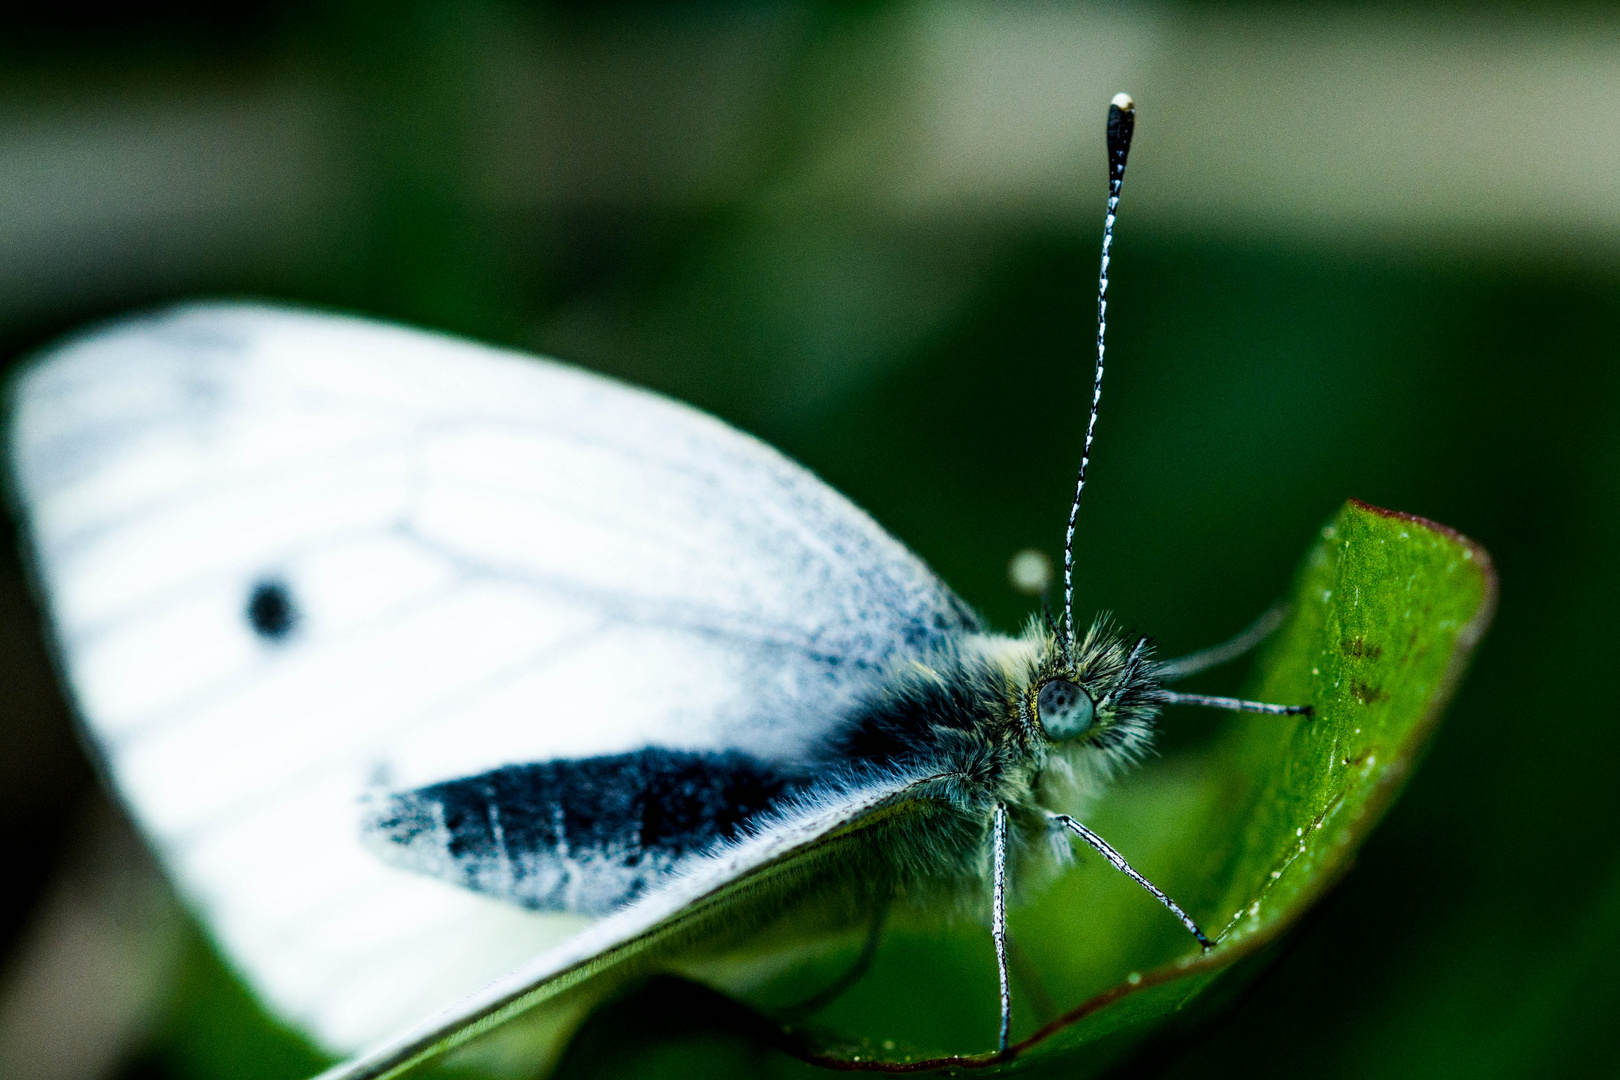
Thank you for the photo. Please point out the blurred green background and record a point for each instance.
(1364, 250)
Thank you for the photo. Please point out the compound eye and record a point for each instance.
(1065, 709)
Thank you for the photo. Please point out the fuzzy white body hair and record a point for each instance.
(967, 712)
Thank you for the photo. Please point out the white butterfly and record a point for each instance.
(487, 559)
(413, 658)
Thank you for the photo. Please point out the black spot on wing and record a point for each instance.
(270, 609)
(585, 835)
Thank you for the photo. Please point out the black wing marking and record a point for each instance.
(585, 836)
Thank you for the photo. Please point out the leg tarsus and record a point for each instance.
(1028, 976)
(836, 989)
(1171, 697)
(998, 920)
(1226, 651)
(1103, 848)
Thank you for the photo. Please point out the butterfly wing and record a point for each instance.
(290, 557)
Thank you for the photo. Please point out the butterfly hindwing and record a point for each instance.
(294, 559)
(798, 855)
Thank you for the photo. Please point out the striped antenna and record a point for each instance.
(1121, 125)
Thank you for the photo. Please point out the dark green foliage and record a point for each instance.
(935, 370)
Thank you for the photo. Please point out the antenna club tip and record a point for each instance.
(1121, 126)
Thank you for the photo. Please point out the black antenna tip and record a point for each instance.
(1121, 126)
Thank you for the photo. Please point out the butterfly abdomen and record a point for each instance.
(587, 835)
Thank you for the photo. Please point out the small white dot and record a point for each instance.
(1030, 572)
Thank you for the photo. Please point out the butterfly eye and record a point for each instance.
(1064, 708)
(270, 610)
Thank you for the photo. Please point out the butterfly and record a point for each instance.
(438, 675)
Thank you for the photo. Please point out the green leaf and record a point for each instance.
(1247, 833)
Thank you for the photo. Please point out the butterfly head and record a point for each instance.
(1101, 693)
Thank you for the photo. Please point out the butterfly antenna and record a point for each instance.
(1121, 125)
(1046, 613)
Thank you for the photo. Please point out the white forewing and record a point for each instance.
(492, 559)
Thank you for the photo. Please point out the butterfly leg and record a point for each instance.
(1102, 848)
(1226, 651)
(827, 995)
(998, 919)
(1171, 697)
(1028, 977)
